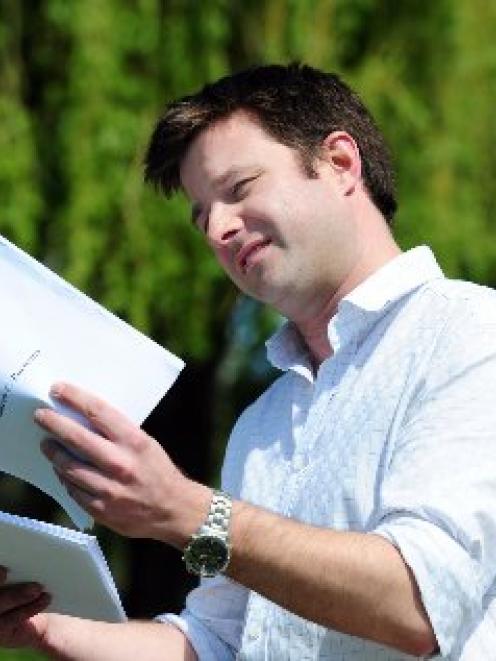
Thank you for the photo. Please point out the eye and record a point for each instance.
(239, 189)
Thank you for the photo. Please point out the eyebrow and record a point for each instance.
(230, 173)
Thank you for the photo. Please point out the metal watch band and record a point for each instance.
(208, 552)
(219, 514)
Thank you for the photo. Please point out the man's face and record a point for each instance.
(280, 235)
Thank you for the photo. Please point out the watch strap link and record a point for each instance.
(219, 514)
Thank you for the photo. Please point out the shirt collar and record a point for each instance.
(398, 277)
(359, 309)
(286, 350)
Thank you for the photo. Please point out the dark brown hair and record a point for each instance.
(296, 104)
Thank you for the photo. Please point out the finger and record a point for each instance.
(95, 449)
(51, 446)
(73, 470)
(104, 417)
(88, 501)
(20, 614)
(17, 595)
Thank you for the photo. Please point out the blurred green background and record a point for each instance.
(81, 84)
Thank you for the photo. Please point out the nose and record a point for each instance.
(223, 224)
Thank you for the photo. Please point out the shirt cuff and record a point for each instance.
(207, 645)
(450, 581)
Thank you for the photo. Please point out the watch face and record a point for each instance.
(206, 555)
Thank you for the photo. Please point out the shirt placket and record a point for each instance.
(310, 403)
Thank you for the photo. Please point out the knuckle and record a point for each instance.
(123, 470)
(97, 507)
(138, 440)
(77, 437)
(94, 410)
(126, 473)
(106, 492)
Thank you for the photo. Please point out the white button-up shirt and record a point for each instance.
(394, 435)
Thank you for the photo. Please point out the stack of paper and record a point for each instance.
(68, 563)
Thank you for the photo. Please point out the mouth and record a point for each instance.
(247, 254)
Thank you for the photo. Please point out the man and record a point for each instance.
(359, 517)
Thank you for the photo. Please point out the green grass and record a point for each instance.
(20, 655)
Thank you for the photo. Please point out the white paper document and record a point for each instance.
(49, 332)
(69, 564)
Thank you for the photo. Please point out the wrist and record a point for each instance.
(48, 632)
(243, 532)
(209, 549)
(190, 508)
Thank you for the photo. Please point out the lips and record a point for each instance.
(248, 251)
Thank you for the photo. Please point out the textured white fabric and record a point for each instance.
(395, 435)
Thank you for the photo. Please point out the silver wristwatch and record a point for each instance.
(208, 552)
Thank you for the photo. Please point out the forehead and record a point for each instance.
(232, 144)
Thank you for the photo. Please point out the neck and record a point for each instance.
(314, 328)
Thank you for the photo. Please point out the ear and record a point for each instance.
(340, 152)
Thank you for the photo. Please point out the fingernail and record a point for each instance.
(39, 414)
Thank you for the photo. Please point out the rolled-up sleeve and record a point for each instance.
(213, 618)
(437, 499)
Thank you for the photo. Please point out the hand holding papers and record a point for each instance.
(52, 332)
(130, 482)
